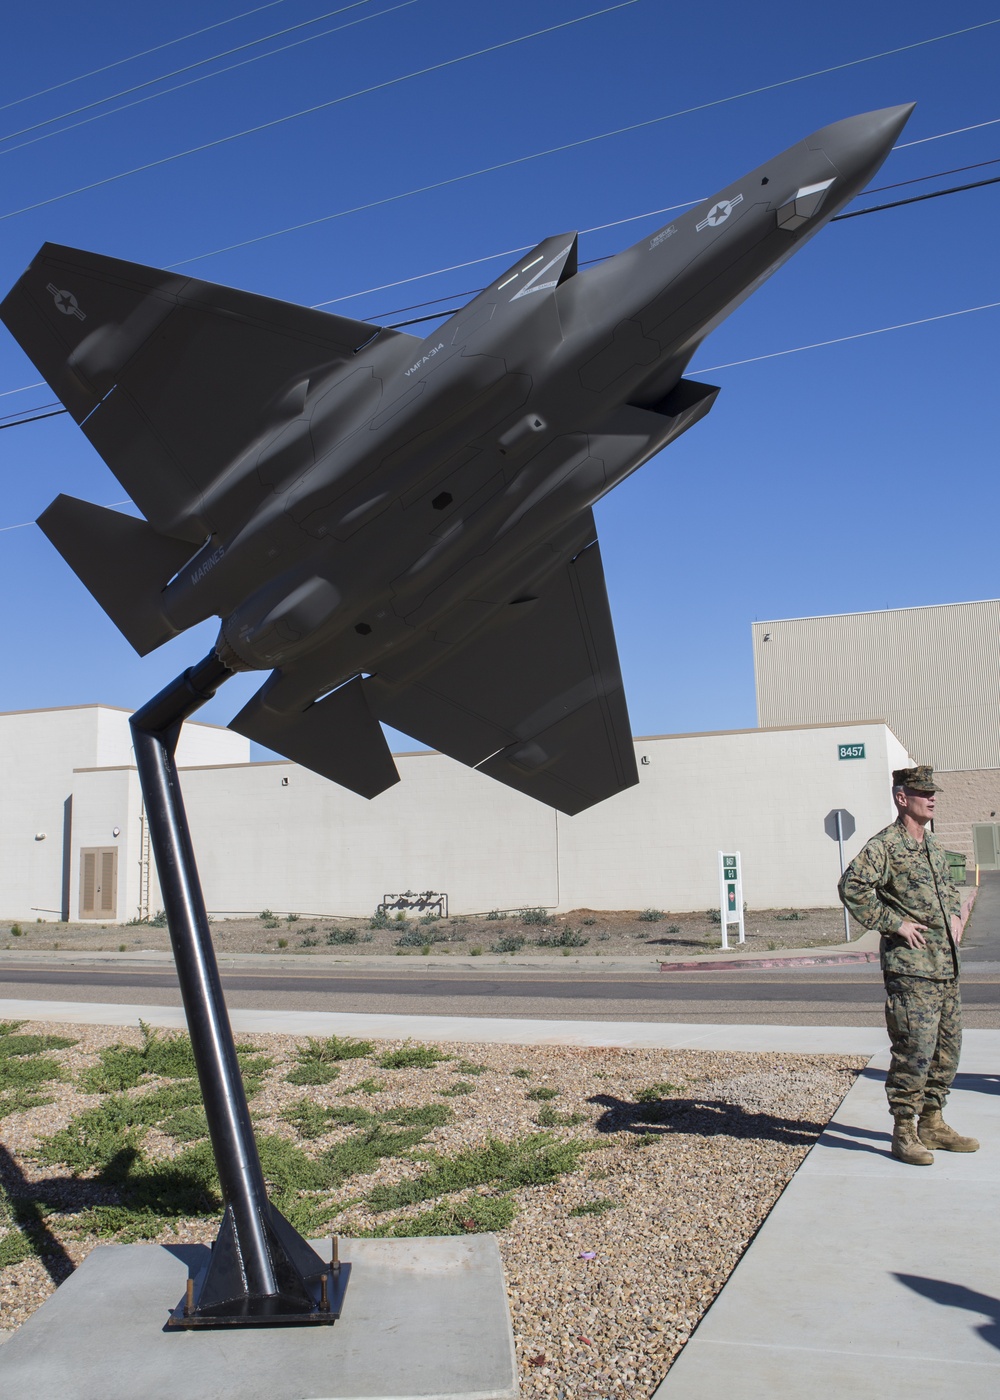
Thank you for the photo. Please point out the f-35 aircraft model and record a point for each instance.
(401, 529)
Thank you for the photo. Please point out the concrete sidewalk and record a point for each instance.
(868, 1278)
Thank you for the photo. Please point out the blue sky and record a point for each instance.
(853, 476)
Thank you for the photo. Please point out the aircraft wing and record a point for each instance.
(536, 702)
(197, 370)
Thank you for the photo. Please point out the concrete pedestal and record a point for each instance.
(423, 1318)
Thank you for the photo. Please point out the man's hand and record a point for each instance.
(912, 934)
(957, 927)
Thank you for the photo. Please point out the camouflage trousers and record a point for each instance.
(924, 1020)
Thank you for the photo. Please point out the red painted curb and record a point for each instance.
(726, 964)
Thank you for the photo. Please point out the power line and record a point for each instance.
(191, 82)
(143, 53)
(321, 107)
(37, 419)
(958, 131)
(596, 228)
(915, 199)
(566, 146)
(841, 339)
(38, 407)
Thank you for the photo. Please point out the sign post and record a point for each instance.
(840, 826)
(731, 895)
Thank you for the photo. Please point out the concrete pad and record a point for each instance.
(422, 1318)
(869, 1277)
(482, 1030)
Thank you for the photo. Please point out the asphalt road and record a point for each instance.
(848, 995)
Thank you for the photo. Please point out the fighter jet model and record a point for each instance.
(401, 529)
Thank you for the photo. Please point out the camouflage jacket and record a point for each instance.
(894, 878)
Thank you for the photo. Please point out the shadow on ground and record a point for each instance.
(956, 1295)
(701, 1117)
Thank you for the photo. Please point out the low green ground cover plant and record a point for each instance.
(319, 1060)
(529, 1161)
(598, 1207)
(411, 1057)
(565, 938)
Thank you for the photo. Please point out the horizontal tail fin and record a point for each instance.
(124, 563)
(337, 737)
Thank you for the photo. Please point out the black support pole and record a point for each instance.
(261, 1271)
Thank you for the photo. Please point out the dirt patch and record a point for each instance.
(620, 933)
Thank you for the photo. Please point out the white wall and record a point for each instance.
(40, 753)
(311, 847)
(273, 835)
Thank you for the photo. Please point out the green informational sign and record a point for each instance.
(729, 863)
(731, 897)
(850, 750)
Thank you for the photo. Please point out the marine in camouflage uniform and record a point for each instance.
(901, 884)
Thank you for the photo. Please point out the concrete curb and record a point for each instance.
(810, 960)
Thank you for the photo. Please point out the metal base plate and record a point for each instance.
(267, 1312)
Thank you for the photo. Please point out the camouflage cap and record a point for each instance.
(920, 779)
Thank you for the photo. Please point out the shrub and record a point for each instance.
(597, 1207)
(535, 916)
(510, 943)
(541, 1095)
(713, 915)
(282, 942)
(380, 919)
(337, 936)
(476, 952)
(654, 1092)
(411, 1057)
(16, 931)
(565, 938)
(792, 917)
(651, 916)
(496, 914)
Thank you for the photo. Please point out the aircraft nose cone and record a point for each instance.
(858, 145)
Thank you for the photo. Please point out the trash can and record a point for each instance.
(956, 861)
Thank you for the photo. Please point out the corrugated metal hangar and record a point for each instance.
(931, 673)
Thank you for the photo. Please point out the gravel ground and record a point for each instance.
(602, 1301)
(635, 933)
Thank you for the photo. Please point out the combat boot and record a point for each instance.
(906, 1146)
(933, 1132)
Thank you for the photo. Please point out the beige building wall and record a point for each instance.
(932, 673)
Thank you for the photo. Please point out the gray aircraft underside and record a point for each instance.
(401, 529)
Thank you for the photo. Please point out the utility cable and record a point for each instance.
(191, 82)
(322, 107)
(614, 223)
(915, 199)
(554, 150)
(37, 419)
(143, 53)
(841, 339)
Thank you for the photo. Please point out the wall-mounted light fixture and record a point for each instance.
(116, 831)
(40, 835)
(284, 782)
(645, 760)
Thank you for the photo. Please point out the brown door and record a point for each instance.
(99, 882)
